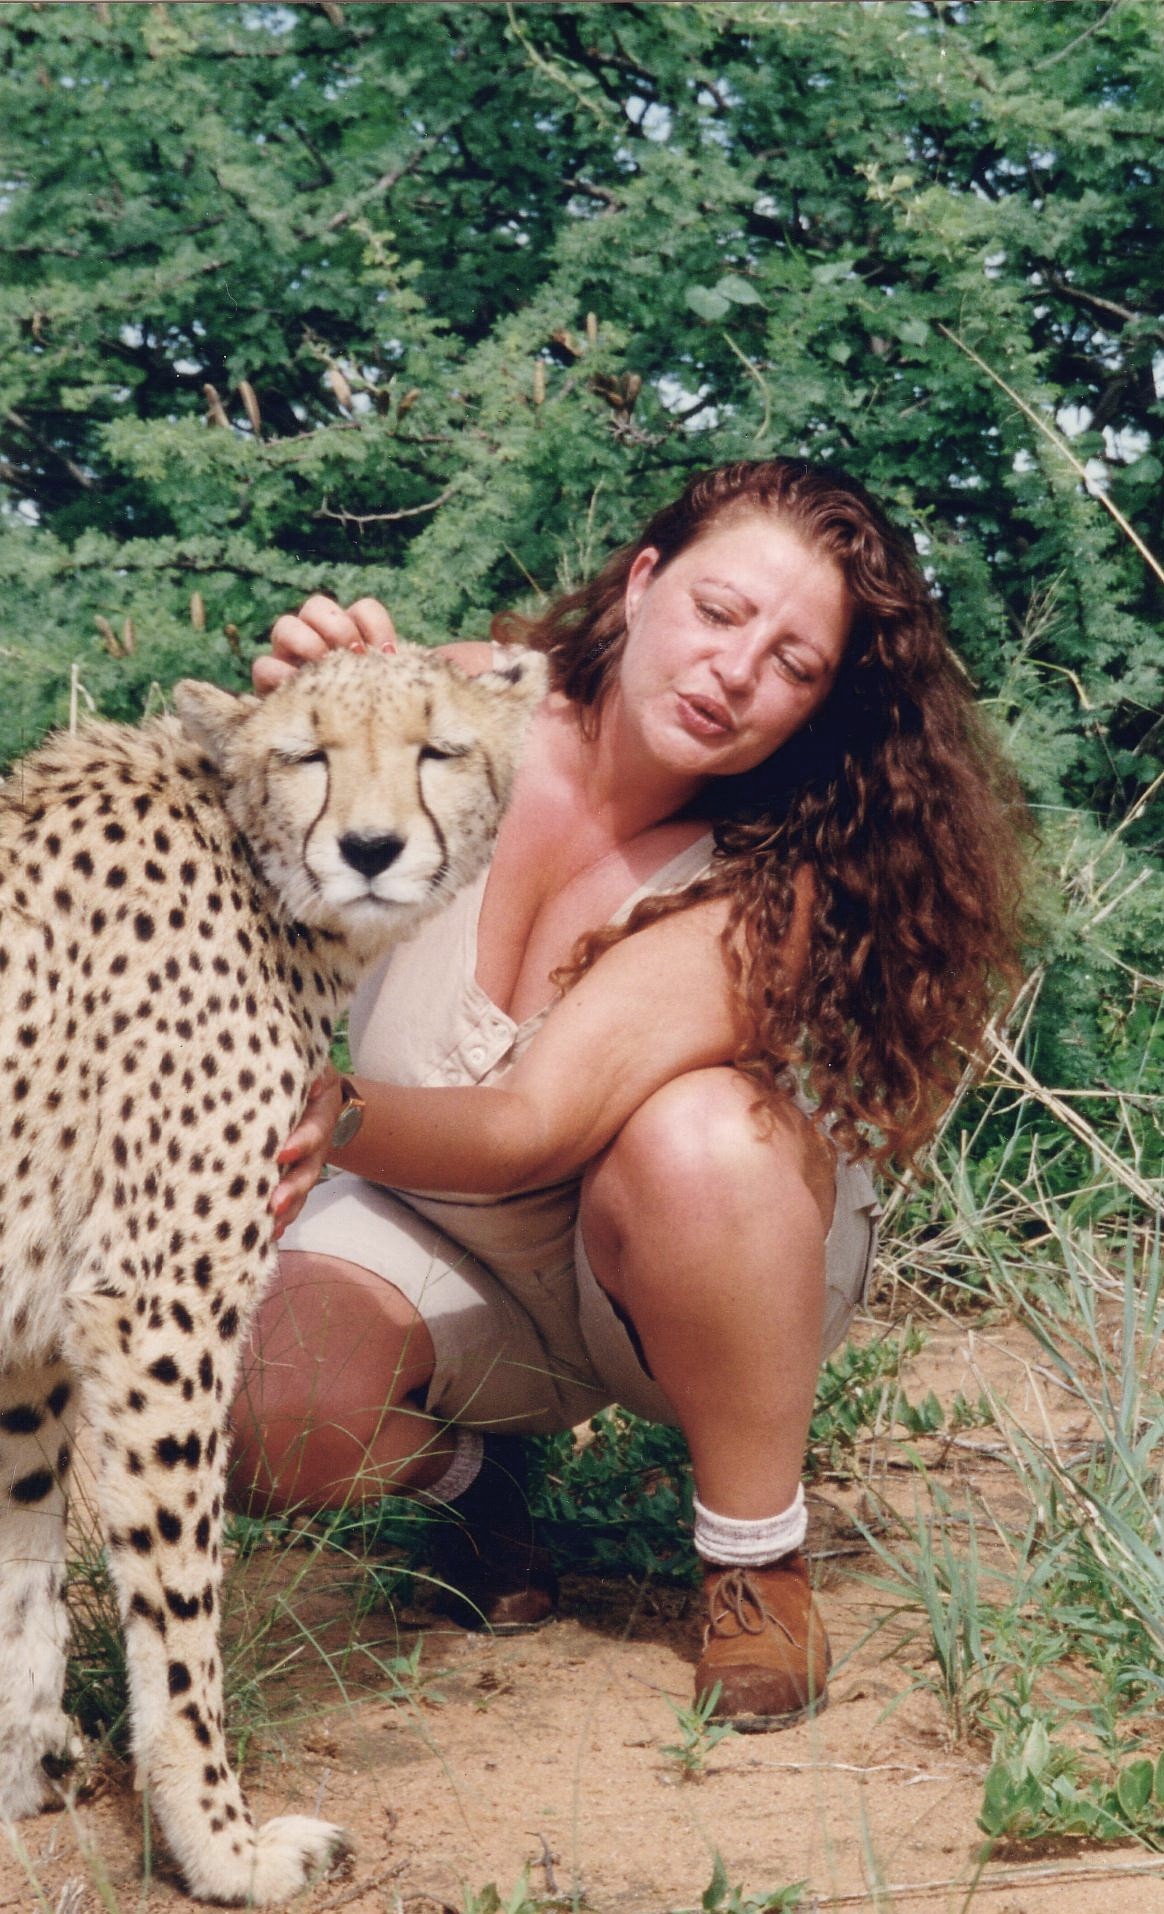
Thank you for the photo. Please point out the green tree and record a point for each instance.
(437, 301)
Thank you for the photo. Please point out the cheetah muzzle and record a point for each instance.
(184, 910)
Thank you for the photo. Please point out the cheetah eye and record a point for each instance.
(441, 752)
(293, 758)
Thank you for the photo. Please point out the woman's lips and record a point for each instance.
(704, 717)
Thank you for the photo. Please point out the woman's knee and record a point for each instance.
(334, 1350)
(331, 1340)
(703, 1144)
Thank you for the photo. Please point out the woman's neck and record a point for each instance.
(624, 790)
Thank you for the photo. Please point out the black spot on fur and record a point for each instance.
(32, 1488)
(21, 1421)
(59, 1398)
(201, 1732)
(183, 1607)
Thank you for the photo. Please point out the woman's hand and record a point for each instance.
(320, 626)
(305, 1152)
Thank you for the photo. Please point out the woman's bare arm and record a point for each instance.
(655, 1005)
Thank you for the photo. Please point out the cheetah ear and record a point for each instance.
(209, 715)
(528, 676)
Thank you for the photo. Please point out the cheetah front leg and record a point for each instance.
(36, 1742)
(157, 1401)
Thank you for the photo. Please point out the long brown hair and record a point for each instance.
(894, 797)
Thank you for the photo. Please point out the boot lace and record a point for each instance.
(737, 1599)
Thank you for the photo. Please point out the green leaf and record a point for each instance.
(998, 1800)
(1134, 1788)
(741, 292)
(831, 271)
(1035, 1755)
(708, 301)
(714, 1893)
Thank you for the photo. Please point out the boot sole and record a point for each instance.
(770, 1724)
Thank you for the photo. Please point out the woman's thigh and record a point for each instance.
(688, 1155)
(479, 1356)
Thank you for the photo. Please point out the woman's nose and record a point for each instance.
(735, 666)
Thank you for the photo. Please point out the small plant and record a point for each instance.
(1041, 1790)
(487, 1900)
(620, 1504)
(96, 1691)
(698, 1736)
(860, 1392)
(720, 1897)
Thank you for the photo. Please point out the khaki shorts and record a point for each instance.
(532, 1343)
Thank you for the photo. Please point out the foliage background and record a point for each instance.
(438, 301)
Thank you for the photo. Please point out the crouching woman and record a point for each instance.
(612, 1114)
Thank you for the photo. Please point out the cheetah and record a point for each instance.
(184, 910)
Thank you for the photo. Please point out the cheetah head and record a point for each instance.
(369, 787)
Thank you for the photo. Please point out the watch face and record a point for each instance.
(347, 1125)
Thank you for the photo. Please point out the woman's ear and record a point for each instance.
(639, 577)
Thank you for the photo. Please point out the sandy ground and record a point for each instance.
(545, 1752)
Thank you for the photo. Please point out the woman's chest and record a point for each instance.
(554, 877)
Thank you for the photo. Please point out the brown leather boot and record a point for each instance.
(490, 1569)
(765, 1644)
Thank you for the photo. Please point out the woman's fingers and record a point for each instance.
(319, 626)
(303, 1155)
(267, 672)
(374, 623)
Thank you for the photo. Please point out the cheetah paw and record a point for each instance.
(288, 1853)
(33, 1758)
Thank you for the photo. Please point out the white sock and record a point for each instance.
(735, 1544)
(463, 1470)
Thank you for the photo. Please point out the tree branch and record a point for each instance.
(79, 477)
(360, 519)
(1077, 293)
(387, 181)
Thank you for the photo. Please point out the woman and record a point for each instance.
(759, 835)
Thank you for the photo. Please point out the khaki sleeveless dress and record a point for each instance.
(525, 1338)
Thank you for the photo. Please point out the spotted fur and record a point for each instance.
(184, 910)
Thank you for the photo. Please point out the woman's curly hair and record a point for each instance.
(893, 796)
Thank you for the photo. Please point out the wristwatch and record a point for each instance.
(347, 1123)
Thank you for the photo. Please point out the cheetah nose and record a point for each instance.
(370, 853)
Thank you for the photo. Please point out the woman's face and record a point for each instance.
(731, 647)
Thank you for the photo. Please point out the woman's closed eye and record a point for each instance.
(713, 614)
(792, 668)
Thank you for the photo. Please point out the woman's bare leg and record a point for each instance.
(328, 1410)
(708, 1231)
